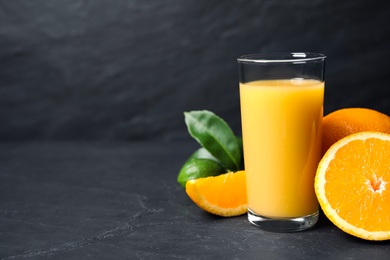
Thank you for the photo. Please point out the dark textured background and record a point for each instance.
(125, 70)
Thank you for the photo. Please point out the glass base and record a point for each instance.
(283, 224)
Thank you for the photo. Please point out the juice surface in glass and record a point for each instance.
(281, 124)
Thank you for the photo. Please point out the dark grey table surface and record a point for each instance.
(73, 200)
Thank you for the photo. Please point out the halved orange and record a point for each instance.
(223, 195)
(352, 184)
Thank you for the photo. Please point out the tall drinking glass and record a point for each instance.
(281, 98)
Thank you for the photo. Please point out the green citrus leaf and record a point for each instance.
(215, 135)
(202, 153)
(239, 140)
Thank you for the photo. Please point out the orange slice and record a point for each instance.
(222, 195)
(352, 184)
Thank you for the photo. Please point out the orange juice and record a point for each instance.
(281, 124)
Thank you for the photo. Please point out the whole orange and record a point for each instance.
(347, 121)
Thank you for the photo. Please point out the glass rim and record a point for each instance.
(281, 57)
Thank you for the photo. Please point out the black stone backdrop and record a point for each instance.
(126, 70)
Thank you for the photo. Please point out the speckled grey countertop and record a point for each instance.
(121, 201)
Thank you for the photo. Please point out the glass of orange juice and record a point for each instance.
(281, 99)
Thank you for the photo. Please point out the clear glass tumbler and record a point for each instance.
(281, 98)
